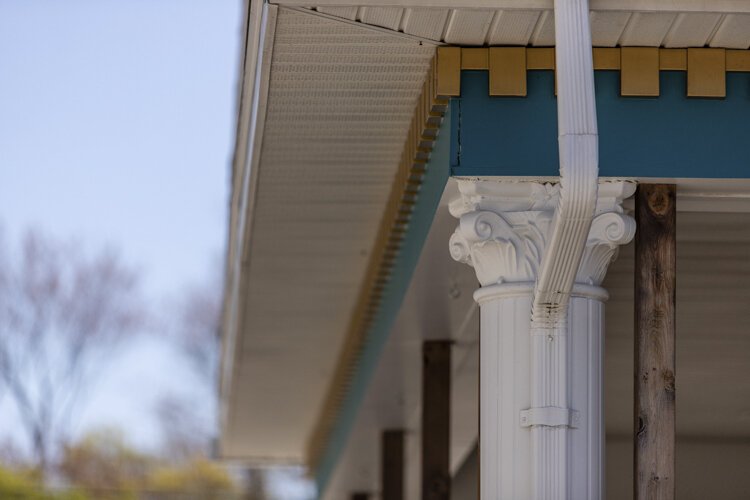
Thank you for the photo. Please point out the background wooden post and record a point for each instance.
(392, 465)
(655, 281)
(436, 420)
(360, 496)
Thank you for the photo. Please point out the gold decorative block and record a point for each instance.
(706, 73)
(673, 59)
(606, 58)
(738, 60)
(474, 59)
(540, 58)
(449, 71)
(639, 71)
(507, 71)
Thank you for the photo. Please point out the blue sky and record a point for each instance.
(116, 128)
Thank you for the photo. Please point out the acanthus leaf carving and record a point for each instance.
(503, 229)
(502, 248)
(608, 231)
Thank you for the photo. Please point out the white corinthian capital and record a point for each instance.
(504, 227)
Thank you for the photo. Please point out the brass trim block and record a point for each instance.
(639, 71)
(706, 73)
(507, 71)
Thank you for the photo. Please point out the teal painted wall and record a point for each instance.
(666, 136)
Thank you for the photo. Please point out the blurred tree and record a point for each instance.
(188, 421)
(197, 322)
(197, 329)
(103, 465)
(62, 314)
(185, 435)
(197, 479)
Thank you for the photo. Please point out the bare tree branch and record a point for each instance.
(62, 314)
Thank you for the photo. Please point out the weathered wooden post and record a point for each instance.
(392, 465)
(436, 420)
(655, 282)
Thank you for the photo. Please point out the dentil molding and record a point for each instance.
(504, 228)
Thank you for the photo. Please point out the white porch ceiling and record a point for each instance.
(343, 85)
(340, 101)
(524, 26)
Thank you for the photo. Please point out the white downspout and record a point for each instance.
(550, 409)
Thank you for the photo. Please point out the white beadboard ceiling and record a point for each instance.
(536, 27)
(340, 101)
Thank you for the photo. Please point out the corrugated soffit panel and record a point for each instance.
(647, 29)
(733, 32)
(426, 23)
(537, 27)
(340, 103)
(544, 32)
(692, 30)
(385, 17)
(607, 27)
(468, 27)
(344, 12)
(513, 27)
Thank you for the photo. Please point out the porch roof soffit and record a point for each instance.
(648, 23)
(342, 83)
(321, 157)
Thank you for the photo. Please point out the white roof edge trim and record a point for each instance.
(718, 6)
(255, 81)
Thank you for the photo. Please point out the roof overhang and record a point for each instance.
(334, 103)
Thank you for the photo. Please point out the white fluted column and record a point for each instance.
(541, 406)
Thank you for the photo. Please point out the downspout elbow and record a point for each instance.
(579, 164)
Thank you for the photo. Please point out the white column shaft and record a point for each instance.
(507, 372)
(505, 446)
(549, 379)
(586, 396)
(541, 415)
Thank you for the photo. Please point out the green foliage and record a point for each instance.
(19, 484)
(104, 466)
(25, 485)
(199, 478)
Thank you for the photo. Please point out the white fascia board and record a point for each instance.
(253, 94)
(721, 6)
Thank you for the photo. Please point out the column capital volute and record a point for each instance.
(504, 226)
